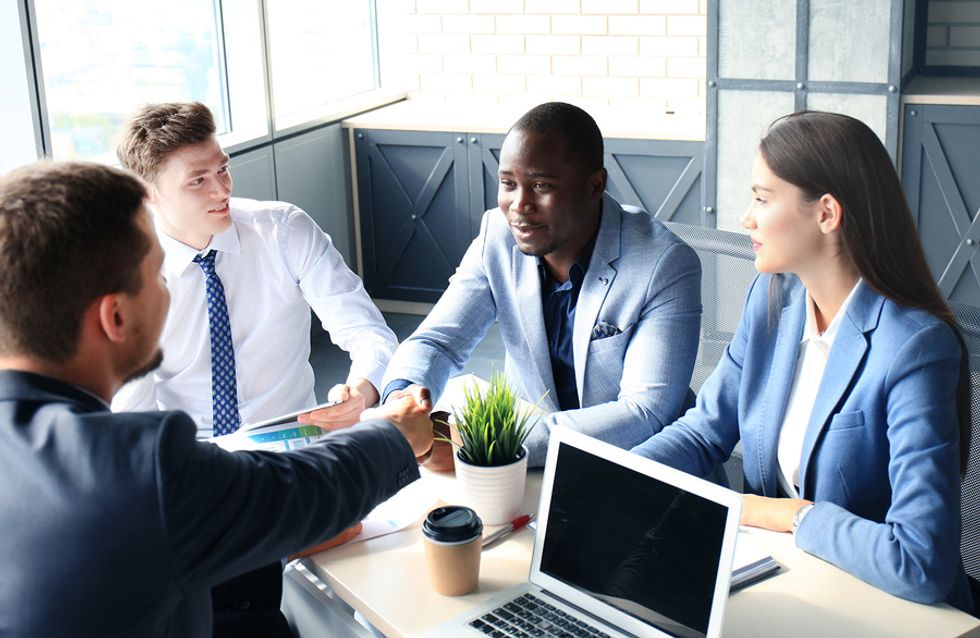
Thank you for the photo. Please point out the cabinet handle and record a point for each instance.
(473, 140)
(459, 140)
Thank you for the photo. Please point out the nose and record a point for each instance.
(222, 188)
(747, 219)
(521, 203)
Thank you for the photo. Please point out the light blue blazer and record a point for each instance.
(880, 457)
(642, 280)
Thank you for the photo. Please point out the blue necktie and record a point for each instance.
(224, 387)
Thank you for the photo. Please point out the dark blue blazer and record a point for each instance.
(119, 524)
(881, 455)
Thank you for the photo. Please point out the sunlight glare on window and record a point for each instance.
(102, 59)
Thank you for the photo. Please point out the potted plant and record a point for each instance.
(491, 459)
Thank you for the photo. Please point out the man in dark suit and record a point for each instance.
(119, 524)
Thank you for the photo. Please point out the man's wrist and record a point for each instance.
(394, 386)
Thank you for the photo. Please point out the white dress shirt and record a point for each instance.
(275, 264)
(810, 364)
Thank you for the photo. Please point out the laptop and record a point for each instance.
(624, 546)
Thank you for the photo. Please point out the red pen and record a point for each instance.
(514, 525)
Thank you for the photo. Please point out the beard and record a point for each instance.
(147, 367)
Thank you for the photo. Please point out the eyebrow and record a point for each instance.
(756, 187)
(225, 158)
(530, 175)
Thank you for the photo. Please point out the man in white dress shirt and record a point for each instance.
(274, 263)
(242, 277)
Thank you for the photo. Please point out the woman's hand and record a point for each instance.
(770, 513)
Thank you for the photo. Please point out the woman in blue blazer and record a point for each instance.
(846, 380)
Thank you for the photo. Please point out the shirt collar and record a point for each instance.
(810, 331)
(178, 255)
(576, 274)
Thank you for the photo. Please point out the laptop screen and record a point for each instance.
(637, 543)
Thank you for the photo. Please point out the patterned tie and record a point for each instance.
(224, 387)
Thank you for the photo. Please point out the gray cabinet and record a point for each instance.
(422, 195)
(939, 174)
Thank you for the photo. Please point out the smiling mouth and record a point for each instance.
(756, 246)
(219, 211)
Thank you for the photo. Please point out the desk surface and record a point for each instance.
(384, 578)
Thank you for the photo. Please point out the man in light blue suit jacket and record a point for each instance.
(599, 309)
(880, 457)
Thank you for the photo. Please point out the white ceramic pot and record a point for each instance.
(496, 493)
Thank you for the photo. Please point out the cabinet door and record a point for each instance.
(413, 196)
(484, 160)
(939, 168)
(662, 177)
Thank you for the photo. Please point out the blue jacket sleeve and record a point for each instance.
(915, 552)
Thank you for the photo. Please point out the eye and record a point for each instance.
(223, 170)
(197, 181)
(506, 184)
(541, 186)
(759, 200)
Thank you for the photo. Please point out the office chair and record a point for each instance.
(969, 319)
(727, 271)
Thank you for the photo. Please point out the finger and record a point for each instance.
(339, 392)
(422, 396)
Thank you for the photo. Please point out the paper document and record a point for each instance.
(751, 561)
(404, 509)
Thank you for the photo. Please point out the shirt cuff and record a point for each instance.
(394, 386)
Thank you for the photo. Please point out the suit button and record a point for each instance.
(245, 605)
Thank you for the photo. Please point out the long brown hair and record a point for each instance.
(828, 153)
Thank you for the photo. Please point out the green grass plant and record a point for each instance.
(491, 427)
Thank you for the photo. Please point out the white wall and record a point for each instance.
(19, 146)
(647, 54)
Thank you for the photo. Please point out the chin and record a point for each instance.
(147, 367)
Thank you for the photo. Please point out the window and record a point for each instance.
(102, 59)
(320, 52)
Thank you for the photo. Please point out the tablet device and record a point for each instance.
(285, 418)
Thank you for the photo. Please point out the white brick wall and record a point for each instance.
(638, 54)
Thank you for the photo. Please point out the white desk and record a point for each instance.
(384, 579)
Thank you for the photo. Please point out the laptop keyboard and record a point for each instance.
(528, 615)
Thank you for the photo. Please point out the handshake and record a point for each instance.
(408, 410)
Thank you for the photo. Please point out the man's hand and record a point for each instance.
(770, 513)
(353, 400)
(339, 539)
(408, 410)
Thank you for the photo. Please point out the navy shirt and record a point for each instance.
(558, 301)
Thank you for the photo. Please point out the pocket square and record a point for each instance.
(603, 330)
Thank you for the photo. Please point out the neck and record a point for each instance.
(71, 372)
(829, 288)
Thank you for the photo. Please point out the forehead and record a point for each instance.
(195, 158)
(527, 150)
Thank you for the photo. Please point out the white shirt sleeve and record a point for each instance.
(338, 298)
(139, 395)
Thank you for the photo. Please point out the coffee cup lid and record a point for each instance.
(452, 523)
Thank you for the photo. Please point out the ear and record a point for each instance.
(597, 183)
(112, 319)
(152, 194)
(829, 214)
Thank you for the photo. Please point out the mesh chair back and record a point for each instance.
(969, 319)
(727, 270)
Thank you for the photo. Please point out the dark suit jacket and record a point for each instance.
(119, 524)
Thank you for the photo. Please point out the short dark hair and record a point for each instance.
(68, 235)
(157, 130)
(580, 132)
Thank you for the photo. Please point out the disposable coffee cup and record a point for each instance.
(453, 541)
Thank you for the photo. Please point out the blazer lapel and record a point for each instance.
(792, 318)
(846, 354)
(596, 285)
(528, 286)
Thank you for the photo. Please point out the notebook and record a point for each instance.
(624, 546)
